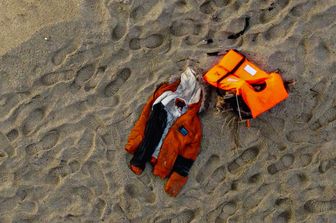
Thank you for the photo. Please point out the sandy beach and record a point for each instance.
(75, 74)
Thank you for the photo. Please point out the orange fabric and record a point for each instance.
(175, 183)
(234, 74)
(214, 74)
(227, 64)
(175, 142)
(248, 123)
(136, 169)
(243, 73)
(261, 101)
(138, 131)
(231, 83)
(230, 60)
(224, 66)
(153, 161)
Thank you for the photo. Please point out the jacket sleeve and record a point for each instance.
(183, 163)
(137, 133)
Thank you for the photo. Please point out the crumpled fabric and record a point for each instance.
(189, 90)
(172, 109)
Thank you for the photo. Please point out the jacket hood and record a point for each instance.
(192, 86)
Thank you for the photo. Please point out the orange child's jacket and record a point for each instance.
(178, 150)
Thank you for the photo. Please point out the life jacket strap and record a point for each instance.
(239, 113)
(242, 60)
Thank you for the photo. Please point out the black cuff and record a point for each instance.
(182, 165)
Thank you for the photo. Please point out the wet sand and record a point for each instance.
(74, 76)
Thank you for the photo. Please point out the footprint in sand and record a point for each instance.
(318, 206)
(210, 6)
(215, 178)
(56, 77)
(297, 180)
(12, 134)
(322, 19)
(314, 137)
(283, 202)
(118, 81)
(246, 157)
(322, 51)
(302, 8)
(283, 164)
(255, 178)
(222, 212)
(98, 209)
(82, 191)
(283, 217)
(146, 11)
(119, 12)
(280, 31)
(32, 121)
(119, 31)
(305, 159)
(60, 55)
(140, 192)
(275, 8)
(85, 73)
(207, 168)
(98, 181)
(49, 140)
(62, 170)
(327, 117)
(228, 210)
(135, 44)
(184, 217)
(74, 166)
(6, 149)
(182, 27)
(325, 165)
(255, 198)
(151, 42)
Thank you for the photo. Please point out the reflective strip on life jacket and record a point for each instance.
(228, 64)
(251, 73)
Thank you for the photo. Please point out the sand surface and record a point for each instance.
(74, 76)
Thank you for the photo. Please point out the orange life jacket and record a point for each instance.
(235, 73)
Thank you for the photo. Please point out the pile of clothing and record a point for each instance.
(168, 132)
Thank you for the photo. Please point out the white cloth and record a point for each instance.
(189, 90)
